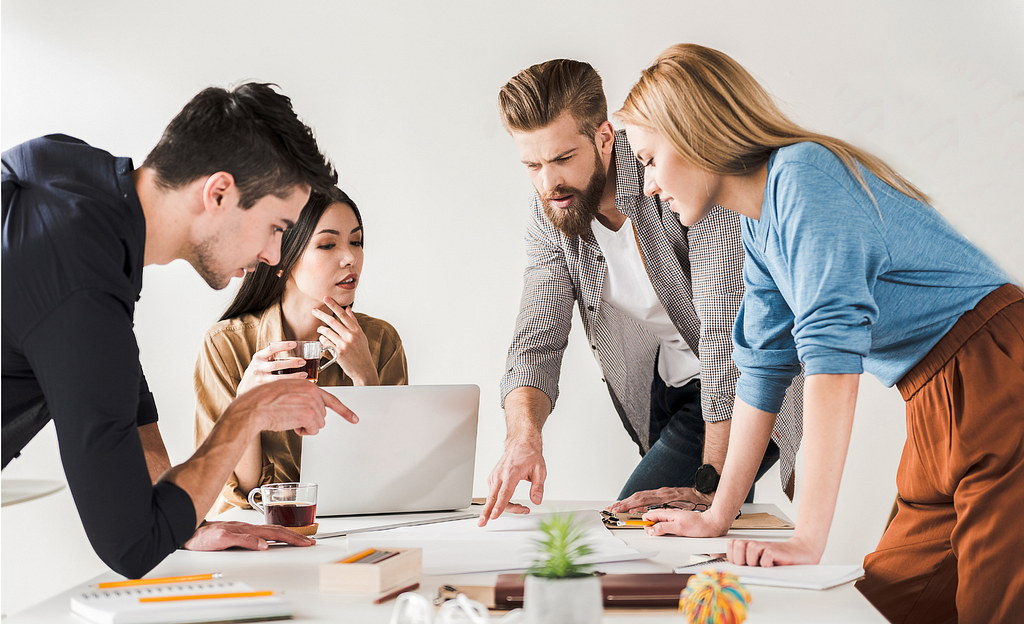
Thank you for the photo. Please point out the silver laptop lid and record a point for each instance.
(414, 449)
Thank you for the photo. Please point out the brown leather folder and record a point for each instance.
(619, 590)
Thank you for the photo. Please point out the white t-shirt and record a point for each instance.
(627, 288)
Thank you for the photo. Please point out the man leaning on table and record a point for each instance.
(657, 301)
(231, 172)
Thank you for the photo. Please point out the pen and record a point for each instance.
(166, 579)
(358, 556)
(395, 594)
(207, 596)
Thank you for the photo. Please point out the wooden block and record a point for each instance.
(372, 578)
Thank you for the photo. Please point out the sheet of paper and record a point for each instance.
(505, 544)
(798, 576)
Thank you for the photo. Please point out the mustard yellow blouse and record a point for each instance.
(227, 349)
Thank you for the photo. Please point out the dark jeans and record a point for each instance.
(677, 441)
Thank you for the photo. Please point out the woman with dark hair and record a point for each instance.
(849, 269)
(308, 296)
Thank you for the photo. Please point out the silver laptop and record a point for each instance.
(413, 449)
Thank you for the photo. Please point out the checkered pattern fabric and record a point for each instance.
(697, 274)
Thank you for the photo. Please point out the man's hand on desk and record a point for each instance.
(523, 460)
(640, 501)
(223, 535)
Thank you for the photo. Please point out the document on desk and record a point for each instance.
(171, 603)
(505, 544)
(796, 576)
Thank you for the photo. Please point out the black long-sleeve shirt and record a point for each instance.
(74, 236)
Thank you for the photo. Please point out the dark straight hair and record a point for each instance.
(263, 287)
(250, 132)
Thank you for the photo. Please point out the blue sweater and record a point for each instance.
(842, 285)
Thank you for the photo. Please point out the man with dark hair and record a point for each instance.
(231, 173)
(657, 301)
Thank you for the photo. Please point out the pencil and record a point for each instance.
(358, 556)
(253, 594)
(156, 581)
(395, 594)
(640, 522)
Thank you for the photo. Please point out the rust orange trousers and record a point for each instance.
(955, 550)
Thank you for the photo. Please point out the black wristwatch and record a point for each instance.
(706, 479)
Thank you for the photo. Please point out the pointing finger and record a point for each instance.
(335, 404)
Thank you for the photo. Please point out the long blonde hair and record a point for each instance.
(720, 119)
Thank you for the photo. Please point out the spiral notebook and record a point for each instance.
(190, 603)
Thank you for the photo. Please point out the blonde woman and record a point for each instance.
(849, 269)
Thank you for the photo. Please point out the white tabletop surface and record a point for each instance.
(14, 491)
(296, 571)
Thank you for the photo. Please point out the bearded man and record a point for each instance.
(658, 302)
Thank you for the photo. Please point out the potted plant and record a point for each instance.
(559, 589)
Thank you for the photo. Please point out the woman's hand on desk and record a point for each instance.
(223, 535)
(343, 333)
(794, 551)
(687, 523)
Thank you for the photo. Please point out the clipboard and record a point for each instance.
(745, 522)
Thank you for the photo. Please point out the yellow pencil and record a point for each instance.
(356, 557)
(157, 581)
(640, 522)
(207, 596)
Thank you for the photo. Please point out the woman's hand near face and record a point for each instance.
(262, 366)
(342, 332)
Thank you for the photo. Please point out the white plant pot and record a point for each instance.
(563, 601)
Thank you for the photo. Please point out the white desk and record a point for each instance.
(14, 491)
(296, 571)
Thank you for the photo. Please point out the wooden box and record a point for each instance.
(372, 578)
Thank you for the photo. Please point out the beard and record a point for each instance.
(204, 262)
(574, 220)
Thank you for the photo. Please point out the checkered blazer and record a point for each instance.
(697, 274)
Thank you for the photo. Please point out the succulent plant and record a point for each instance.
(561, 548)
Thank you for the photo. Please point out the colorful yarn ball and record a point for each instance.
(714, 598)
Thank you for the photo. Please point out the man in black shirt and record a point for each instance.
(230, 174)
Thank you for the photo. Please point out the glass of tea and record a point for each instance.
(311, 351)
(286, 504)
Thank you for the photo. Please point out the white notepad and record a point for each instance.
(123, 605)
(795, 576)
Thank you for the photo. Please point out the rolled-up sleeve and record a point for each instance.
(86, 360)
(812, 265)
(763, 345)
(545, 316)
(831, 254)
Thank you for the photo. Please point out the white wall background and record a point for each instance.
(402, 96)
